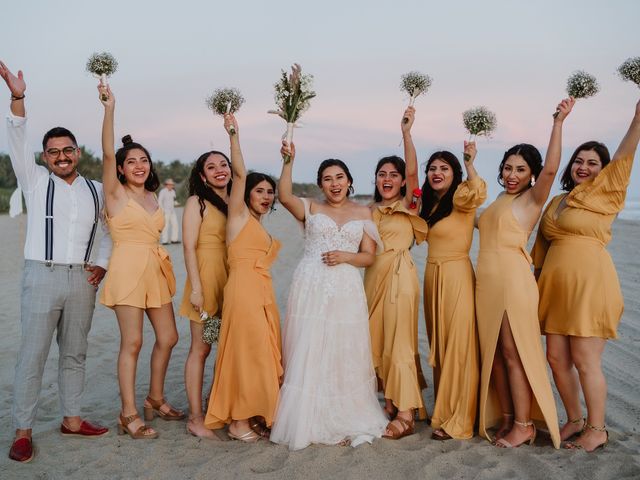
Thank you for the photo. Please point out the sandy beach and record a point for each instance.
(177, 455)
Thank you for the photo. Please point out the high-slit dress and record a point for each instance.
(505, 285)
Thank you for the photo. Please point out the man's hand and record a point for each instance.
(97, 274)
(16, 85)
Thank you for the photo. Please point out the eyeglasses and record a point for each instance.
(67, 151)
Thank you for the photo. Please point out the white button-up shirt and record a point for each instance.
(73, 207)
(167, 200)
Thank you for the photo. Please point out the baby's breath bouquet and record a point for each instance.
(225, 100)
(414, 84)
(102, 65)
(581, 84)
(479, 121)
(630, 70)
(292, 95)
(211, 328)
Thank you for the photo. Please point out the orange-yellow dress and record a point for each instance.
(248, 363)
(505, 283)
(393, 297)
(140, 273)
(449, 310)
(211, 252)
(579, 289)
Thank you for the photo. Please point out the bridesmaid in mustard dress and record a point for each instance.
(580, 299)
(514, 385)
(449, 207)
(204, 222)
(248, 364)
(140, 277)
(392, 288)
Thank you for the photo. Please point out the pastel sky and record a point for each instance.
(512, 56)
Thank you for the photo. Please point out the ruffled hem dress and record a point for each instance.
(393, 295)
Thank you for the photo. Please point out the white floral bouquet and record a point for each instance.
(225, 100)
(292, 95)
(102, 65)
(630, 70)
(211, 328)
(414, 84)
(479, 121)
(581, 84)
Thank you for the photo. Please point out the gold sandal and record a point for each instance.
(154, 409)
(143, 431)
(502, 443)
(246, 437)
(577, 446)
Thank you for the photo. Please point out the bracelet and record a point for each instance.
(194, 291)
(13, 97)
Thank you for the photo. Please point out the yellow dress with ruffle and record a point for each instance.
(450, 314)
(393, 297)
(248, 366)
(505, 284)
(211, 253)
(579, 288)
(140, 273)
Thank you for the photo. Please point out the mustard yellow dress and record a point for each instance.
(579, 288)
(393, 297)
(211, 252)
(140, 273)
(505, 283)
(248, 362)
(449, 310)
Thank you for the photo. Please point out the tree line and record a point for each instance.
(90, 166)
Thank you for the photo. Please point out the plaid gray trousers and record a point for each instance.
(53, 298)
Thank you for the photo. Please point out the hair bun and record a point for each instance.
(127, 139)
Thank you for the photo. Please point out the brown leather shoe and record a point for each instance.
(87, 429)
(21, 450)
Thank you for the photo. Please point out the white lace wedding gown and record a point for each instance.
(329, 391)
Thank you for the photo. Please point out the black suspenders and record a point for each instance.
(48, 222)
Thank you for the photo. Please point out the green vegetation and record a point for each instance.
(90, 166)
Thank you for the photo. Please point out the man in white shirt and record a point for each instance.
(167, 202)
(59, 283)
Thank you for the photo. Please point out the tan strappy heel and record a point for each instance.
(502, 443)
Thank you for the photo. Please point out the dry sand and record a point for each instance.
(178, 455)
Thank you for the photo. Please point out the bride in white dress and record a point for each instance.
(329, 391)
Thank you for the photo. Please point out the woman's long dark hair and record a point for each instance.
(601, 150)
(399, 165)
(433, 209)
(201, 189)
(152, 182)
